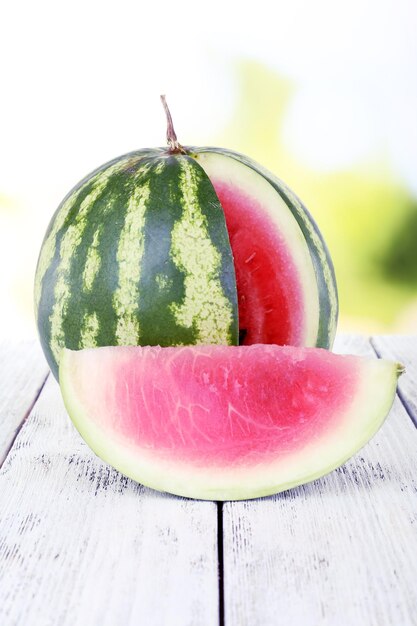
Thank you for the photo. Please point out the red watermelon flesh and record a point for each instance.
(277, 289)
(270, 297)
(218, 422)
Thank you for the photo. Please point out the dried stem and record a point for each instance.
(174, 146)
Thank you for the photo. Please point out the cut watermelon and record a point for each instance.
(282, 297)
(183, 246)
(225, 423)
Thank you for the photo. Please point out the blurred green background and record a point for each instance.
(324, 94)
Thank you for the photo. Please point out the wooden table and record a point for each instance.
(80, 544)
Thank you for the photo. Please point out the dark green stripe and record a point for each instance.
(47, 299)
(157, 322)
(100, 299)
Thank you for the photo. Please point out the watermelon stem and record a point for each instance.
(174, 145)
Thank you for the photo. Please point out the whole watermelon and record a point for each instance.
(179, 246)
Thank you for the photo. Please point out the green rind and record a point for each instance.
(323, 265)
(87, 290)
(368, 410)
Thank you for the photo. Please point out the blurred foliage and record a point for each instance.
(368, 220)
(399, 259)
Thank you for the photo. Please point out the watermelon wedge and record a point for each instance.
(225, 423)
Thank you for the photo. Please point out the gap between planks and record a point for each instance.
(6, 450)
(220, 561)
(398, 348)
(23, 372)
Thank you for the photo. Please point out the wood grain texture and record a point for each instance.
(82, 545)
(23, 371)
(340, 551)
(404, 350)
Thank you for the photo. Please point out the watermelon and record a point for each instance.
(182, 246)
(225, 422)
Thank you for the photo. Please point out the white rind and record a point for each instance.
(357, 424)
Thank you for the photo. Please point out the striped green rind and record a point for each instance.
(323, 266)
(137, 253)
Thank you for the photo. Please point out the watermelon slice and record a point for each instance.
(225, 423)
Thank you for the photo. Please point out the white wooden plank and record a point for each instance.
(23, 370)
(404, 350)
(340, 551)
(82, 545)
